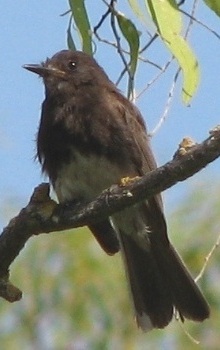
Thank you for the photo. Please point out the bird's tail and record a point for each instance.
(159, 281)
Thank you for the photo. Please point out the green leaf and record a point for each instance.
(130, 33)
(170, 33)
(138, 11)
(70, 42)
(82, 23)
(213, 5)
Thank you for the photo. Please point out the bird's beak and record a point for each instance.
(37, 68)
(43, 71)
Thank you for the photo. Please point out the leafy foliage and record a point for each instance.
(153, 20)
(82, 23)
(176, 43)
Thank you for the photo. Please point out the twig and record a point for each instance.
(149, 43)
(168, 104)
(207, 258)
(106, 14)
(200, 23)
(152, 81)
(195, 4)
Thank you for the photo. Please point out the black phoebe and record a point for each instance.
(90, 137)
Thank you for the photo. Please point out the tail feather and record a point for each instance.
(160, 282)
(187, 297)
(150, 290)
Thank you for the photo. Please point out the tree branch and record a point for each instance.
(43, 215)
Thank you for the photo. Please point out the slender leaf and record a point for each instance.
(168, 20)
(70, 42)
(130, 33)
(82, 23)
(138, 11)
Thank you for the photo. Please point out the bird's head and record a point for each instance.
(68, 70)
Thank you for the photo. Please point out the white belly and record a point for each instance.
(86, 177)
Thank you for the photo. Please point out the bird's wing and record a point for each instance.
(141, 154)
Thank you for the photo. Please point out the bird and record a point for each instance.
(90, 137)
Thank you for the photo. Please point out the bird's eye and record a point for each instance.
(72, 65)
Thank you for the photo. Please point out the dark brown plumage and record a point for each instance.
(91, 136)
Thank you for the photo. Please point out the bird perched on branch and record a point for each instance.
(90, 137)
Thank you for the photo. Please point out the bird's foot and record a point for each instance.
(128, 180)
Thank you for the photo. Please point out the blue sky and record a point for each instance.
(33, 30)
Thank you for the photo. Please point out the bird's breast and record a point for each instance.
(84, 177)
